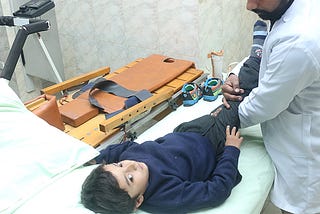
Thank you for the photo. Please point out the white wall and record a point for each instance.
(115, 32)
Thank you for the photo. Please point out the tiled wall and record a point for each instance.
(115, 32)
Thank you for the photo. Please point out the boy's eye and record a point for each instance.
(130, 177)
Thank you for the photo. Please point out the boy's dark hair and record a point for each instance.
(101, 193)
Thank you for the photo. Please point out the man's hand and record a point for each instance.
(231, 90)
(233, 138)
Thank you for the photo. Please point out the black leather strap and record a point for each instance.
(116, 89)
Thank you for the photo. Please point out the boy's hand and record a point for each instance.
(233, 137)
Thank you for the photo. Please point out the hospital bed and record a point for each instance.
(42, 167)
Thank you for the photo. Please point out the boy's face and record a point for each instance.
(132, 176)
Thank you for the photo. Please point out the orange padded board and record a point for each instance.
(150, 73)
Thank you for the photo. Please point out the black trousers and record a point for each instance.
(213, 126)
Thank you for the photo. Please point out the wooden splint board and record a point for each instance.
(99, 130)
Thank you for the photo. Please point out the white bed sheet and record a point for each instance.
(33, 154)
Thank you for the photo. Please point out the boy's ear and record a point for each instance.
(139, 201)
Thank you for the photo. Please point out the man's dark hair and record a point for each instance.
(101, 193)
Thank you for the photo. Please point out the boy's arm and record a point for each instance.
(216, 189)
(187, 196)
(112, 153)
(225, 176)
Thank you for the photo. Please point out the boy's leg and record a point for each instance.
(213, 126)
(248, 80)
(204, 125)
(199, 125)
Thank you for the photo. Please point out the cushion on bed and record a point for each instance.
(33, 154)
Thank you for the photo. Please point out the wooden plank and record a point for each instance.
(35, 104)
(89, 131)
(122, 69)
(96, 137)
(163, 89)
(134, 63)
(128, 114)
(177, 84)
(186, 76)
(75, 81)
(194, 71)
(118, 71)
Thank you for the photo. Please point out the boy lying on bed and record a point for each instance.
(192, 168)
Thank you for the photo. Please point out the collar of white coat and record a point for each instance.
(298, 8)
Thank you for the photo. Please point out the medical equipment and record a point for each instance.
(27, 18)
(28, 27)
(34, 8)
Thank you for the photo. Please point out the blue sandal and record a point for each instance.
(212, 89)
(191, 94)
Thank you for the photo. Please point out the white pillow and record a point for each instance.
(33, 154)
(62, 196)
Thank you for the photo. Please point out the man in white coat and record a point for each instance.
(287, 100)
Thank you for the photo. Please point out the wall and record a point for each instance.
(4, 45)
(115, 32)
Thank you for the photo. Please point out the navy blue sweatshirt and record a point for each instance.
(184, 174)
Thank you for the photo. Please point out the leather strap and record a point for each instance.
(112, 87)
(45, 106)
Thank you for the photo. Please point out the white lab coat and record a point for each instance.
(287, 104)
